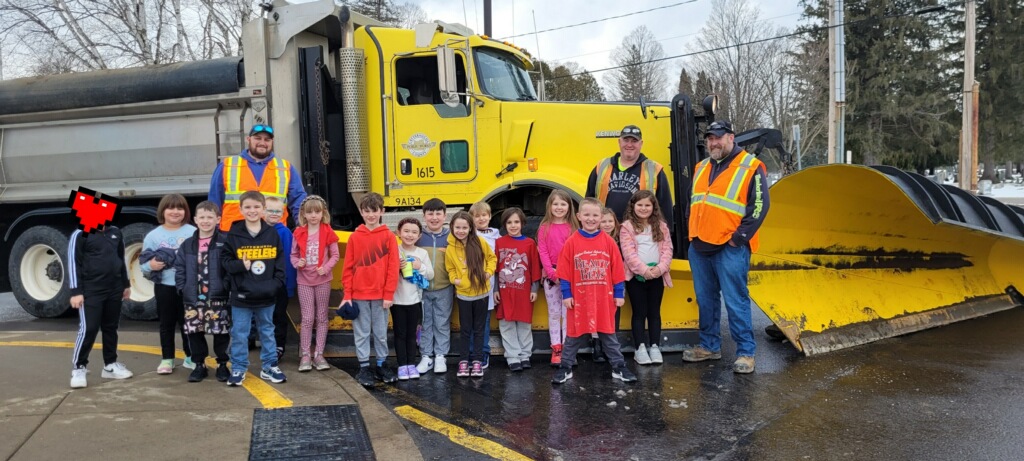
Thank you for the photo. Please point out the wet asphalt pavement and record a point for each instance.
(947, 393)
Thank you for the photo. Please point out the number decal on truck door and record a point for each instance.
(425, 172)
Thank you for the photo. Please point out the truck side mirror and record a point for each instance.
(446, 76)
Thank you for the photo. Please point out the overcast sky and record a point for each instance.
(591, 45)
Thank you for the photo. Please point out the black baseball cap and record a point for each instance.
(261, 128)
(719, 128)
(631, 131)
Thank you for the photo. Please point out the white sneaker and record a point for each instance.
(78, 380)
(655, 354)
(116, 370)
(641, 356)
(439, 364)
(188, 363)
(426, 363)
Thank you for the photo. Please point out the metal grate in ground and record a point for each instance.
(330, 432)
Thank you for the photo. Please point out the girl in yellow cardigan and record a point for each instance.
(470, 263)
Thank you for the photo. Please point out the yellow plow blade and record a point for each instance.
(852, 254)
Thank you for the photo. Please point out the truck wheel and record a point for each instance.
(531, 226)
(37, 269)
(142, 304)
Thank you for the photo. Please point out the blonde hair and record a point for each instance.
(570, 216)
(615, 229)
(479, 208)
(314, 203)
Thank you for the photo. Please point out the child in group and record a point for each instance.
(647, 248)
(470, 263)
(558, 224)
(407, 310)
(481, 212)
(98, 280)
(518, 278)
(591, 277)
(159, 248)
(610, 226)
(435, 336)
(253, 261)
(200, 280)
(314, 252)
(370, 278)
(273, 214)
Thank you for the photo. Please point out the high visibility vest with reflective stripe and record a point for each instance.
(238, 179)
(717, 208)
(648, 177)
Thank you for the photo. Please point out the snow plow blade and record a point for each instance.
(852, 254)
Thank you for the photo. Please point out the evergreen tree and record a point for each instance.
(567, 82)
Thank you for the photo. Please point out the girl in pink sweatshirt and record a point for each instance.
(314, 254)
(558, 224)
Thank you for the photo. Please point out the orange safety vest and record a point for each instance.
(648, 177)
(238, 179)
(716, 209)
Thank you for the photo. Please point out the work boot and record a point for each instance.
(599, 356)
(743, 365)
(699, 354)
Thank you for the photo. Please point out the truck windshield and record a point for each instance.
(503, 77)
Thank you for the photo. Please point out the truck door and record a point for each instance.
(433, 143)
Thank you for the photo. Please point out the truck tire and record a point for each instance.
(37, 269)
(142, 304)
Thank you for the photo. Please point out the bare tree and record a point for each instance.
(641, 72)
(410, 14)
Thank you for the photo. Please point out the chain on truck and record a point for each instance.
(434, 111)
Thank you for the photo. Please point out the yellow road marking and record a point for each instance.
(459, 435)
(267, 395)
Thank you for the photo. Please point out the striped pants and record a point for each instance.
(313, 301)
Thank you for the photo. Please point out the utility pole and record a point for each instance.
(487, 18)
(543, 87)
(968, 174)
(837, 83)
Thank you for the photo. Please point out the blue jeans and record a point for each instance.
(715, 276)
(241, 321)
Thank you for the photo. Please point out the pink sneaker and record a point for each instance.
(478, 370)
(463, 369)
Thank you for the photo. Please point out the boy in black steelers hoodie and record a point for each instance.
(253, 261)
(99, 282)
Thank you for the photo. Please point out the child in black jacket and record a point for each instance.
(99, 282)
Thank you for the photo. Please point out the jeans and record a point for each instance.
(723, 274)
(241, 321)
(435, 338)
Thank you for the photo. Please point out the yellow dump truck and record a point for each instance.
(849, 254)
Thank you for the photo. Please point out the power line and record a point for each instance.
(600, 20)
(927, 10)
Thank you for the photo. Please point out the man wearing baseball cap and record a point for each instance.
(255, 168)
(615, 179)
(729, 202)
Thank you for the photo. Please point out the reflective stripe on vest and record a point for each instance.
(717, 207)
(649, 171)
(235, 184)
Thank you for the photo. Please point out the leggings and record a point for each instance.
(170, 308)
(313, 300)
(645, 297)
(406, 318)
(472, 318)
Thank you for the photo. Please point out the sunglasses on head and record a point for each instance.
(261, 129)
(631, 131)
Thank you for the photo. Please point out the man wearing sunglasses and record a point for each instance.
(256, 168)
(615, 179)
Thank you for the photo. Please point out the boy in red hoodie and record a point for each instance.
(370, 278)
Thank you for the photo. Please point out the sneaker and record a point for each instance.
(273, 374)
(166, 367)
(223, 373)
(413, 372)
(526, 364)
(78, 380)
(440, 364)
(321, 363)
(486, 361)
(641, 355)
(116, 370)
(365, 376)
(743, 365)
(478, 370)
(305, 364)
(699, 354)
(556, 355)
(655, 353)
(188, 363)
(425, 364)
(515, 366)
(199, 374)
(463, 369)
(562, 375)
(386, 374)
(623, 373)
(403, 373)
(236, 378)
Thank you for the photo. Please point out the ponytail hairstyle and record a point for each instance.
(654, 220)
(474, 252)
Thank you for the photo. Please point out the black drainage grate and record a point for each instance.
(332, 432)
